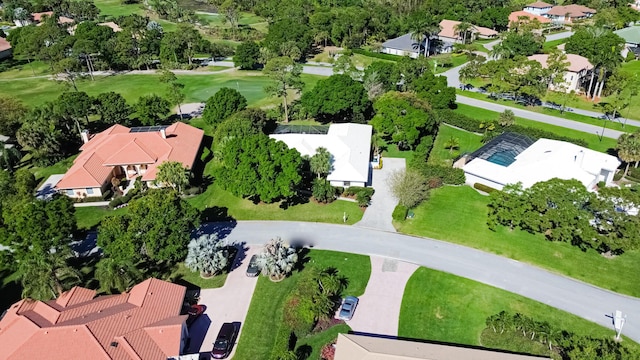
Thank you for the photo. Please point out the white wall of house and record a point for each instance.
(536, 11)
(450, 39)
(346, 184)
(82, 192)
(391, 51)
(572, 82)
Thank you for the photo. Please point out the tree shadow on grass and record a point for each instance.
(294, 200)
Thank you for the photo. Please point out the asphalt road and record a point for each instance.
(581, 299)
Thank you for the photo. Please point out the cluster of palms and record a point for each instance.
(428, 26)
(208, 255)
(277, 259)
(629, 149)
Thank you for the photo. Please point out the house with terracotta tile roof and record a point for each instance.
(569, 13)
(449, 34)
(538, 8)
(577, 75)
(520, 17)
(128, 153)
(144, 323)
(5, 48)
(38, 18)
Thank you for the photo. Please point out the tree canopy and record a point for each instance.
(224, 103)
(338, 98)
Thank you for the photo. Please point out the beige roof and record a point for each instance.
(112, 25)
(449, 29)
(573, 10)
(577, 63)
(359, 347)
(517, 15)
(539, 5)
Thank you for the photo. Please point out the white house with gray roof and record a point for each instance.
(350, 148)
(403, 46)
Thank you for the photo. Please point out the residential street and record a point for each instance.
(581, 299)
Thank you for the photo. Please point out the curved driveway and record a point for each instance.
(581, 299)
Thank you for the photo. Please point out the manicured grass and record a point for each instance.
(553, 112)
(183, 274)
(444, 307)
(242, 209)
(61, 167)
(265, 312)
(317, 341)
(468, 142)
(198, 88)
(593, 141)
(391, 150)
(459, 215)
(115, 8)
(457, 60)
(550, 45)
(89, 217)
(24, 69)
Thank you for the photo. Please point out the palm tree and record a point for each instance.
(9, 156)
(117, 275)
(47, 275)
(628, 149)
(277, 259)
(320, 162)
(423, 29)
(451, 144)
(208, 255)
(463, 28)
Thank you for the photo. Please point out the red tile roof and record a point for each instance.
(516, 15)
(4, 44)
(145, 323)
(448, 29)
(117, 146)
(38, 17)
(573, 10)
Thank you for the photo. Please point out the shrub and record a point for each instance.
(116, 202)
(484, 188)
(434, 182)
(282, 343)
(107, 195)
(363, 199)
(298, 316)
(339, 190)
(323, 191)
(447, 175)
(399, 213)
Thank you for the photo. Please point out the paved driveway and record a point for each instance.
(229, 303)
(378, 214)
(378, 311)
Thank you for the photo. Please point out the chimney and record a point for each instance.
(85, 136)
(163, 133)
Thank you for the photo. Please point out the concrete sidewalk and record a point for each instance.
(378, 214)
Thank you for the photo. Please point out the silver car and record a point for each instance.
(348, 308)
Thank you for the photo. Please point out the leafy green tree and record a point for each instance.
(628, 149)
(224, 103)
(251, 121)
(514, 44)
(9, 156)
(338, 98)
(208, 255)
(175, 88)
(24, 182)
(156, 228)
(181, 45)
(434, 90)
(247, 55)
(286, 77)
(403, 119)
(289, 30)
(409, 187)
(112, 108)
(117, 275)
(259, 168)
(75, 106)
(46, 275)
(277, 259)
(152, 109)
(386, 73)
(231, 12)
(173, 174)
(320, 162)
(11, 115)
(345, 65)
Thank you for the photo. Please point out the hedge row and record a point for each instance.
(376, 55)
(399, 213)
(484, 188)
(448, 175)
(467, 123)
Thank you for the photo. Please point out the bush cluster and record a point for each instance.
(484, 188)
(446, 174)
(363, 194)
(399, 213)
(467, 123)
(119, 200)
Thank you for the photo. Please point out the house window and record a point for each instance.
(70, 192)
(89, 191)
(347, 183)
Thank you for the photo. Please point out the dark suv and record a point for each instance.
(253, 269)
(225, 340)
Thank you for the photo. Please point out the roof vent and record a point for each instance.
(114, 344)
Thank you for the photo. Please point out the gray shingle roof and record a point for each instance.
(404, 43)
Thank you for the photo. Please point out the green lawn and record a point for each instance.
(457, 60)
(89, 217)
(23, 69)
(198, 88)
(183, 274)
(550, 45)
(553, 112)
(468, 142)
(242, 209)
(444, 307)
(459, 215)
(593, 141)
(265, 312)
(115, 8)
(316, 341)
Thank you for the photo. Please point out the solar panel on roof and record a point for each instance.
(141, 129)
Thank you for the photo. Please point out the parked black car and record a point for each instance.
(253, 269)
(225, 340)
